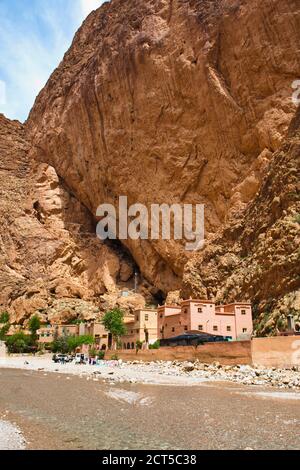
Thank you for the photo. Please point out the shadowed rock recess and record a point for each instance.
(170, 101)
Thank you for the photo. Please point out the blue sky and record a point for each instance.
(34, 35)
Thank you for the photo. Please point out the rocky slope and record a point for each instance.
(182, 101)
(50, 260)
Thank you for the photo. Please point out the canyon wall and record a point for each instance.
(183, 101)
(50, 260)
(256, 255)
(171, 101)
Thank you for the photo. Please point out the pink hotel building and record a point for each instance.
(232, 320)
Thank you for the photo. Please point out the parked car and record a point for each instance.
(61, 358)
(192, 339)
(80, 359)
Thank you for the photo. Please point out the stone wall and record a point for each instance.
(278, 351)
(238, 352)
(2, 349)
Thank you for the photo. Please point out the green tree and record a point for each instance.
(60, 345)
(3, 331)
(34, 326)
(20, 343)
(68, 344)
(4, 317)
(113, 322)
(5, 325)
(75, 342)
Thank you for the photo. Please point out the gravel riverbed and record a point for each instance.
(60, 411)
(11, 437)
(163, 372)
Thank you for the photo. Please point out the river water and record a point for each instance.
(60, 412)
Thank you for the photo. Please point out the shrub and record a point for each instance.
(155, 345)
(93, 352)
(115, 357)
(101, 355)
(139, 345)
(297, 218)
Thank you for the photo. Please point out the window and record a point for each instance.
(185, 328)
(146, 317)
(200, 310)
(243, 312)
(244, 330)
(200, 327)
(215, 328)
(137, 318)
(228, 328)
(185, 310)
(161, 315)
(173, 329)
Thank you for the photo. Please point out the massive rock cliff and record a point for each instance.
(256, 256)
(171, 101)
(184, 101)
(50, 260)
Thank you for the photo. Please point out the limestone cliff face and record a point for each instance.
(50, 260)
(171, 101)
